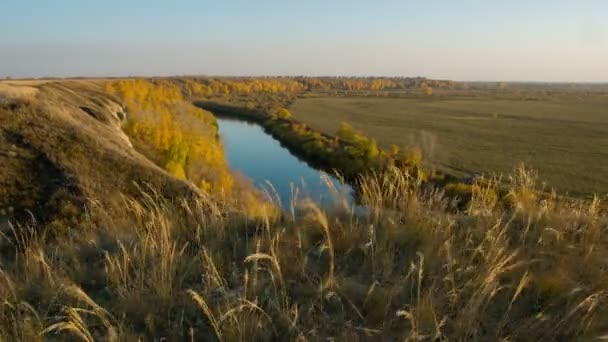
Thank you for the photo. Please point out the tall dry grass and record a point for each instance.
(411, 267)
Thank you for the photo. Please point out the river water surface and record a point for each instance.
(261, 158)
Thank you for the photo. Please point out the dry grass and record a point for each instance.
(54, 154)
(411, 268)
(17, 90)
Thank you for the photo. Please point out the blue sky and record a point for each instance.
(542, 40)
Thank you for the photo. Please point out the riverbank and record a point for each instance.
(333, 154)
(351, 155)
(283, 177)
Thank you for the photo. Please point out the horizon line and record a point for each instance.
(48, 77)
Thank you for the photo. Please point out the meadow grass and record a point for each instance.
(562, 136)
(412, 267)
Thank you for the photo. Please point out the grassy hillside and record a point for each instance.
(410, 269)
(61, 146)
(564, 137)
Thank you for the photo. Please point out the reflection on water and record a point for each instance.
(260, 157)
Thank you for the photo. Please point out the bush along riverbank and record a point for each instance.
(354, 156)
(349, 153)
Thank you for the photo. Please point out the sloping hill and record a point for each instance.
(61, 146)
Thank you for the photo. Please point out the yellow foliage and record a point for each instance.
(176, 170)
(182, 138)
(176, 135)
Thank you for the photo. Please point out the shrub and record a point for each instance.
(282, 113)
(459, 193)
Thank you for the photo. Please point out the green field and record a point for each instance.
(563, 137)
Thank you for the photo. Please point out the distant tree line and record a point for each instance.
(248, 86)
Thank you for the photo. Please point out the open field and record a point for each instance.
(564, 137)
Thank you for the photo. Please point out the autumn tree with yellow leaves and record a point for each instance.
(180, 137)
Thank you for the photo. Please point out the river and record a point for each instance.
(258, 156)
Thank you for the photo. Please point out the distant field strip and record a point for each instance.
(565, 139)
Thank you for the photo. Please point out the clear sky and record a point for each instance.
(526, 40)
